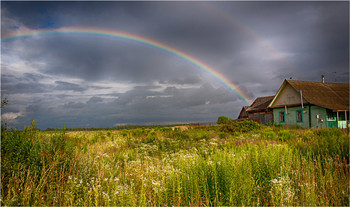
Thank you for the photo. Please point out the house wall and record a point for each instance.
(322, 121)
(242, 114)
(261, 117)
(288, 96)
(269, 118)
(291, 116)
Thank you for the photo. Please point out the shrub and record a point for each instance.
(223, 135)
(151, 138)
(274, 124)
(268, 133)
(177, 133)
(309, 134)
(285, 135)
(138, 132)
(329, 132)
(242, 126)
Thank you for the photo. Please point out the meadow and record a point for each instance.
(233, 165)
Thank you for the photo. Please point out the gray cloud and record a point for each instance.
(20, 88)
(65, 86)
(89, 80)
(191, 80)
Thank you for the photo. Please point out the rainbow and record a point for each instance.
(143, 40)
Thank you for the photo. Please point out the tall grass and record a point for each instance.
(200, 166)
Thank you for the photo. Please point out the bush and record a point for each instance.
(274, 124)
(138, 132)
(223, 120)
(329, 132)
(268, 133)
(242, 126)
(177, 133)
(309, 134)
(285, 135)
(223, 135)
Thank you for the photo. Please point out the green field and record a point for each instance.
(242, 164)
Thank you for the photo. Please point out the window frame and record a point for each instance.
(301, 113)
(284, 116)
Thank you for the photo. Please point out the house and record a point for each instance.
(258, 110)
(311, 104)
(243, 114)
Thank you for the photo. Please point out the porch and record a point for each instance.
(338, 119)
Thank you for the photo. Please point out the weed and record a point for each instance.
(201, 166)
(284, 135)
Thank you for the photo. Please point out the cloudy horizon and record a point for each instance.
(94, 81)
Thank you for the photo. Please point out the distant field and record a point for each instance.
(242, 164)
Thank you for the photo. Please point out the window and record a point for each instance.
(341, 116)
(281, 116)
(299, 116)
(331, 116)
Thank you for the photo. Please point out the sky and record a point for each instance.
(90, 80)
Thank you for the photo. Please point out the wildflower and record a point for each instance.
(155, 183)
(104, 194)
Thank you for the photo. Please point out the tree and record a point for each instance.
(223, 120)
(4, 102)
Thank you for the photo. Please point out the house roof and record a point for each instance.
(334, 96)
(260, 103)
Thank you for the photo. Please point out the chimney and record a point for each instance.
(322, 78)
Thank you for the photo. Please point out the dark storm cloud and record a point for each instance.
(93, 58)
(139, 105)
(16, 85)
(94, 100)
(312, 31)
(84, 80)
(195, 29)
(27, 88)
(183, 81)
(72, 105)
(65, 86)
